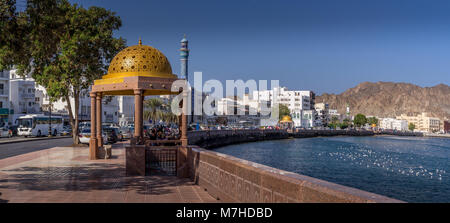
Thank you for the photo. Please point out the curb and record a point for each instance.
(33, 139)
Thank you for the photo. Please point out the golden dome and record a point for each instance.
(286, 118)
(139, 60)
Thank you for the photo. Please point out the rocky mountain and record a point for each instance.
(388, 99)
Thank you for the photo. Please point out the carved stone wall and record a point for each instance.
(235, 180)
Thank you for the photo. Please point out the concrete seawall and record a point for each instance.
(231, 179)
(217, 138)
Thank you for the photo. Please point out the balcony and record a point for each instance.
(27, 95)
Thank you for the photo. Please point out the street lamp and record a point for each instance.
(50, 121)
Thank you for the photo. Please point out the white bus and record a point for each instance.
(37, 125)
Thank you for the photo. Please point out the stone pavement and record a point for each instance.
(65, 174)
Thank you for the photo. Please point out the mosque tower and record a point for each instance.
(184, 54)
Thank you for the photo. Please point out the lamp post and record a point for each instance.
(50, 119)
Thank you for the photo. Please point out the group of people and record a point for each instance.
(161, 132)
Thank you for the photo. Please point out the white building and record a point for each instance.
(126, 110)
(300, 104)
(304, 118)
(294, 100)
(22, 94)
(4, 97)
(322, 111)
(393, 124)
(228, 106)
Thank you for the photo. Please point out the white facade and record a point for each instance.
(22, 94)
(4, 98)
(294, 100)
(227, 106)
(4, 89)
(323, 117)
(126, 110)
(304, 118)
(300, 104)
(393, 124)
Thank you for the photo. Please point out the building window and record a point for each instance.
(1, 104)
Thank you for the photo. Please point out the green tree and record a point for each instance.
(65, 47)
(411, 126)
(334, 119)
(283, 111)
(372, 121)
(360, 120)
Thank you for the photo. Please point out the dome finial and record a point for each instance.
(140, 41)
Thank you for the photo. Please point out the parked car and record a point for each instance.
(118, 133)
(67, 130)
(5, 132)
(126, 132)
(85, 135)
(110, 136)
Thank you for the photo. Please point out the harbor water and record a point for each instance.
(412, 169)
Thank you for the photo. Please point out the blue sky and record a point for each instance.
(320, 45)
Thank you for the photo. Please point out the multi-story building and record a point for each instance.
(304, 118)
(229, 106)
(4, 97)
(393, 124)
(22, 94)
(294, 100)
(301, 104)
(423, 122)
(322, 111)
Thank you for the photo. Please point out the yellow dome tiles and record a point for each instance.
(286, 118)
(137, 60)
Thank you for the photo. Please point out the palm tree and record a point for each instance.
(151, 108)
(157, 109)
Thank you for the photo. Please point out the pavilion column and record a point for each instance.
(184, 139)
(138, 114)
(142, 106)
(93, 141)
(99, 119)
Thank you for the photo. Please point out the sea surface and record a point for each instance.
(412, 169)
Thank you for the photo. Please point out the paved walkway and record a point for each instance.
(64, 174)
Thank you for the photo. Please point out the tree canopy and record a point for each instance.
(372, 121)
(360, 120)
(411, 126)
(283, 111)
(64, 46)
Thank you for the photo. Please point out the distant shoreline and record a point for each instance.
(436, 135)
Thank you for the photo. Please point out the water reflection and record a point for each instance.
(412, 169)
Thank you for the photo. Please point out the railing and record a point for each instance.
(161, 160)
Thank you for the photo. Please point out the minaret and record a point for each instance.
(184, 54)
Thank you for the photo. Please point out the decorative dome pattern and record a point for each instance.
(286, 118)
(139, 60)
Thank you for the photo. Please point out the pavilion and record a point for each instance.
(137, 71)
